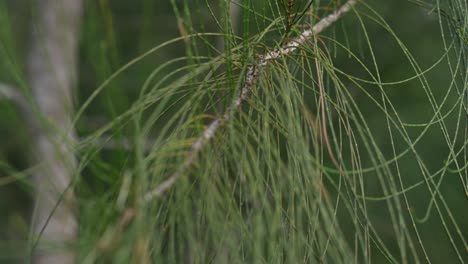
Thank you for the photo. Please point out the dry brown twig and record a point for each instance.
(251, 77)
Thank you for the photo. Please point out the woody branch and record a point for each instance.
(251, 76)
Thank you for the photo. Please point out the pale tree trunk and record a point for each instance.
(234, 14)
(52, 66)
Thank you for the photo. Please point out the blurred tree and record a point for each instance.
(52, 71)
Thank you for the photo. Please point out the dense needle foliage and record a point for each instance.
(351, 149)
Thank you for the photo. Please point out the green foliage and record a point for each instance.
(350, 150)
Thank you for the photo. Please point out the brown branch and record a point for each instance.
(251, 77)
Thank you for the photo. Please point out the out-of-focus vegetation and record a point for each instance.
(402, 198)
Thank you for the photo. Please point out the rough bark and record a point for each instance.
(52, 66)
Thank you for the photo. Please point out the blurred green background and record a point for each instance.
(114, 32)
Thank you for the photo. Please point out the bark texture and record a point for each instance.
(52, 67)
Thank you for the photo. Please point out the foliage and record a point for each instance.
(351, 149)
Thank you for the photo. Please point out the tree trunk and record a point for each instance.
(52, 67)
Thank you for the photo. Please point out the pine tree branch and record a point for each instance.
(252, 75)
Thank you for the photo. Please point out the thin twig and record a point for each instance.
(11, 93)
(25, 106)
(8, 92)
(251, 77)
